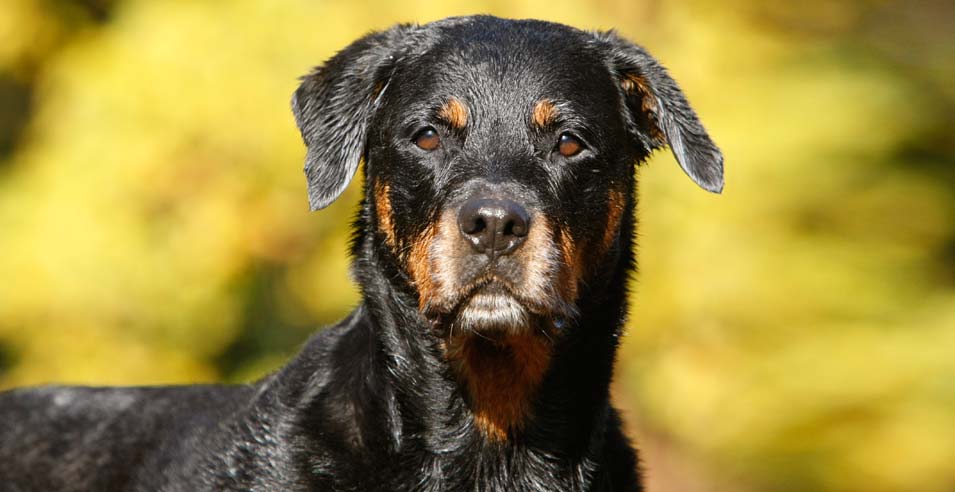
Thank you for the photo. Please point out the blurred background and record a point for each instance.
(796, 333)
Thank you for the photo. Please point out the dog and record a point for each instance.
(492, 248)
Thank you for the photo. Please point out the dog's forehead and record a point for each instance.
(505, 42)
(515, 62)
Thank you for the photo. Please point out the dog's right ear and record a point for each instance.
(658, 113)
(333, 106)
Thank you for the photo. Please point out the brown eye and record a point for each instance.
(427, 139)
(568, 145)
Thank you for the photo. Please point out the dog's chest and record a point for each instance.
(518, 471)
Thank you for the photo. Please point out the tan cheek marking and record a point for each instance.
(637, 84)
(572, 274)
(419, 266)
(579, 260)
(539, 258)
(384, 213)
(502, 378)
(544, 114)
(447, 250)
(455, 113)
(616, 204)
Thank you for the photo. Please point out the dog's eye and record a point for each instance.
(569, 145)
(427, 139)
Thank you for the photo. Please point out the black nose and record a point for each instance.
(494, 227)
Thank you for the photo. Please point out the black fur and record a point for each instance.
(697, 154)
(374, 403)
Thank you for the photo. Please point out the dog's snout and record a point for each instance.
(494, 226)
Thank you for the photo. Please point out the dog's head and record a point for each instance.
(499, 158)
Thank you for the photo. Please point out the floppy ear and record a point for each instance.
(658, 113)
(333, 105)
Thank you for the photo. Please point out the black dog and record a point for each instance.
(492, 249)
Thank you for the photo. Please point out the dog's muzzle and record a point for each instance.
(496, 264)
(495, 228)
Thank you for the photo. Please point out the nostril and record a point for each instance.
(479, 226)
(517, 221)
(508, 229)
(515, 228)
(472, 224)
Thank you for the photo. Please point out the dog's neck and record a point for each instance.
(441, 408)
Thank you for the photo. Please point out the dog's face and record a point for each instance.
(499, 159)
(501, 179)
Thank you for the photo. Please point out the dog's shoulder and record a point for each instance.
(105, 429)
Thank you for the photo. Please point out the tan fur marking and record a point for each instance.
(447, 249)
(538, 257)
(384, 213)
(544, 114)
(455, 113)
(637, 84)
(616, 204)
(572, 274)
(502, 377)
(419, 266)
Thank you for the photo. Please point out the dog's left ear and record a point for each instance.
(334, 104)
(658, 113)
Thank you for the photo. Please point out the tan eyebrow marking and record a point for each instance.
(544, 114)
(455, 113)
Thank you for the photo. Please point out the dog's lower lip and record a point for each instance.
(486, 288)
(496, 287)
(493, 312)
(490, 300)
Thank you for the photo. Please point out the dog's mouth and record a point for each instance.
(490, 308)
(493, 307)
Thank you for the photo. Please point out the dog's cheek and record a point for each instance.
(419, 266)
(385, 214)
(540, 261)
(432, 264)
(571, 274)
(446, 253)
(616, 207)
(585, 251)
